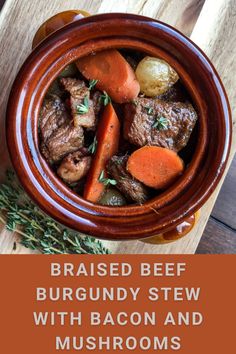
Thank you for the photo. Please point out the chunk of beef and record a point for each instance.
(142, 116)
(97, 102)
(74, 167)
(81, 104)
(59, 136)
(52, 115)
(130, 187)
(66, 139)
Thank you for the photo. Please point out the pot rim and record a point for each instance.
(69, 214)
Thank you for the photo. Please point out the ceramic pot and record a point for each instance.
(210, 142)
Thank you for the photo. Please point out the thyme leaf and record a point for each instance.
(161, 123)
(92, 84)
(105, 98)
(37, 231)
(93, 146)
(106, 181)
(83, 108)
(149, 110)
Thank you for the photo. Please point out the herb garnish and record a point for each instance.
(105, 98)
(83, 108)
(92, 84)
(161, 123)
(37, 230)
(149, 110)
(93, 146)
(106, 181)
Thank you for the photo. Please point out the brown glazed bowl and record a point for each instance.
(212, 142)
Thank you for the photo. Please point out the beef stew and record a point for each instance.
(95, 119)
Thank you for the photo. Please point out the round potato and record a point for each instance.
(155, 76)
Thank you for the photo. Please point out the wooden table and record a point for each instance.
(220, 233)
(211, 24)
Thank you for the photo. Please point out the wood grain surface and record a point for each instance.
(216, 232)
(225, 206)
(214, 32)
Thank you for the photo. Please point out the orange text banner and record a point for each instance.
(115, 303)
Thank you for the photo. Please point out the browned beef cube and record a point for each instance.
(58, 133)
(74, 167)
(130, 187)
(66, 139)
(81, 104)
(156, 122)
(53, 114)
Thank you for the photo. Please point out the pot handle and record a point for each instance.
(176, 233)
(56, 22)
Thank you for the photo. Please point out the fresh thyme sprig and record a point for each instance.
(105, 98)
(92, 84)
(93, 146)
(37, 230)
(106, 181)
(161, 123)
(83, 108)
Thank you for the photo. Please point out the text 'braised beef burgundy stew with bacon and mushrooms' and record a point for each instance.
(116, 127)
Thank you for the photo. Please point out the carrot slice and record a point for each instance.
(113, 72)
(155, 166)
(107, 145)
